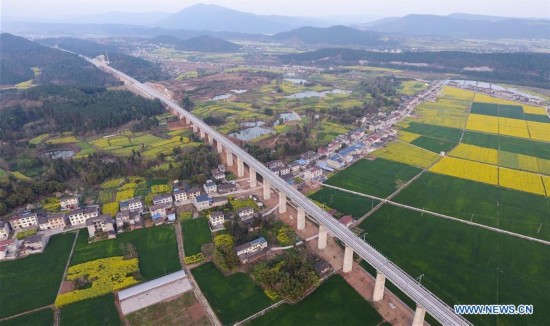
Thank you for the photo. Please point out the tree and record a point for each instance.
(224, 253)
(187, 104)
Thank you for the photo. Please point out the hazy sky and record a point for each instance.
(53, 9)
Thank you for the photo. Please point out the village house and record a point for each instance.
(43, 223)
(132, 205)
(201, 202)
(180, 196)
(312, 173)
(347, 221)
(336, 162)
(132, 220)
(309, 156)
(216, 219)
(33, 245)
(57, 220)
(275, 164)
(218, 176)
(251, 250)
(69, 203)
(210, 187)
(163, 199)
(4, 230)
(24, 220)
(281, 171)
(322, 267)
(79, 216)
(171, 213)
(193, 192)
(294, 167)
(158, 213)
(227, 187)
(218, 201)
(246, 213)
(221, 168)
(9, 248)
(101, 224)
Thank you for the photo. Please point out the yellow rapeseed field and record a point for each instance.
(475, 153)
(539, 130)
(544, 166)
(512, 127)
(465, 169)
(441, 117)
(408, 136)
(519, 161)
(521, 180)
(406, 153)
(483, 123)
(546, 181)
(529, 109)
(457, 93)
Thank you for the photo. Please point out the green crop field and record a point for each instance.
(465, 264)
(335, 302)
(233, 298)
(433, 144)
(344, 202)
(508, 144)
(195, 234)
(42, 317)
(156, 247)
(378, 177)
(433, 131)
(32, 282)
(481, 203)
(100, 311)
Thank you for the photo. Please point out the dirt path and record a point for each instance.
(198, 293)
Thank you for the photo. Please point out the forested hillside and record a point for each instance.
(59, 108)
(18, 56)
(138, 68)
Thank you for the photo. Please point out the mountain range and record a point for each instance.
(217, 21)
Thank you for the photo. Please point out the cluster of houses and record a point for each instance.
(497, 90)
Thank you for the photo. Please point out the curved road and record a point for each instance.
(422, 296)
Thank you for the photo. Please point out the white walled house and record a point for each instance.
(24, 220)
(216, 218)
(79, 216)
(103, 223)
(163, 199)
(69, 203)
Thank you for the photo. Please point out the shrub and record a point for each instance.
(194, 258)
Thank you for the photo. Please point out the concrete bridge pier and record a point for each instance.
(252, 176)
(323, 235)
(348, 259)
(240, 167)
(282, 202)
(195, 128)
(210, 140)
(301, 218)
(419, 314)
(229, 157)
(267, 190)
(202, 134)
(379, 287)
(219, 146)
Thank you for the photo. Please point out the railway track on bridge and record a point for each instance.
(421, 295)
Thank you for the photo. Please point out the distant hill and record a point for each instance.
(138, 68)
(203, 43)
(465, 26)
(19, 55)
(334, 35)
(522, 68)
(216, 18)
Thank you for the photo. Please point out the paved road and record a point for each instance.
(422, 296)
